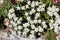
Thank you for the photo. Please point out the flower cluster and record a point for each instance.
(53, 11)
(27, 20)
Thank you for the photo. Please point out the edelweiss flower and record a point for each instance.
(32, 32)
(35, 21)
(31, 36)
(29, 2)
(26, 30)
(23, 7)
(33, 26)
(37, 14)
(36, 3)
(27, 6)
(15, 18)
(33, 4)
(20, 27)
(19, 32)
(40, 29)
(15, 28)
(36, 30)
(18, 8)
(11, 10)
(26, 13)
(33, 10)
(39, 21)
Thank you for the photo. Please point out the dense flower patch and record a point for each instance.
(33, 19)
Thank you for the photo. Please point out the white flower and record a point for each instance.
(32, 32)
(50, 13)
(15, 28)
(40, 29)
(23, 36)
(30, 12)
(33, 26)
(32, 36)
(39, 33)
(43, 22)
(55, 25)
(36, 3)
(20, 18)
(20, 27)
(14, 24)
(24, 33)
(11, 10)
(57, 9)
(29, 2)
(19, 32)
(49, 8)
(35, 21)
(40, 6)
(11, 21)
(56, 30)
(45, 26)
(33, 4)
(27, 24)
(52, 10)
(26, 13)
(35, 18)
(13, 15)
(52, 21)
(58, 21)
(42, 9)
(10, 15)
(36, 30)
(15, 18)
(28, 18)
(27, 6)
(51, 26)
(31, 22)
(10, 26)
(18, 22)
(37, 14)
(26, 30)
(55, 13)
(18, 8)
(43, 5)
(39, 21)
(23, 7)
(24, 25)
(33, 10)
(57, 16)
(13, 32)
(1, 1)
(38, 9)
